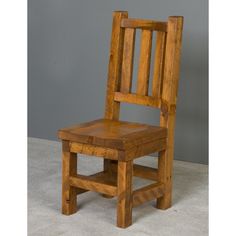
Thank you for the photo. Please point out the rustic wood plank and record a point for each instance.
(144, 62)
(147, 193)
(145, 149)
(172, 59)
(114, 71)
(145, 172)
(69, 167)
(92, 150)
(137, 99)
(140, 171)
(125, 155)
(144, 24)
(165, 164)
(141, 137)
(94, 183)
(110, 174)
(158, 65)
(124, 194)
(127, 62)
(169, 94)
(111, 134)
(103, 175)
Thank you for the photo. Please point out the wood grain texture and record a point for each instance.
(158, 65)
(69, 167)
(172, 59)
(127, 62)
(165, 163)
(146, 149)
(140, 171)
(91, 150)
(144, 24)
(110, 174)
(115, 61)
(120, 142)
(102, 176)
(137, 99)
(98, 183)
(145, 172)
(169, 94)
(124, 197)
(144, 62)
(111, 134)
(147, 193)
(122, 155)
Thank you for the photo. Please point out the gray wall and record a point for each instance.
(68, 57)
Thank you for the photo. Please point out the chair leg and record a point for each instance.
(165, 166)
(107, 168)
(69, 167)
(124, 198)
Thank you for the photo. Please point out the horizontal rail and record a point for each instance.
(114, 154)
(140, 171)
(145, 149)
(137, 99)
(94, 183)
(87, 149)
(102, 175)
(145, 172)
(147, 193)
(144, 24)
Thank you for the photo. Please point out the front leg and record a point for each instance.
(124, 195)
(69, 167)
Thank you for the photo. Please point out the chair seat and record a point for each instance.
(113, 134)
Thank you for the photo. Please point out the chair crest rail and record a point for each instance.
(144, 24)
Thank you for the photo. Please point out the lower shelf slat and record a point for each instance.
(98, 183)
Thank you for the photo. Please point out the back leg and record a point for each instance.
(107, 167)
(165, 166)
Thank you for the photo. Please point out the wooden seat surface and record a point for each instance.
(113, 134)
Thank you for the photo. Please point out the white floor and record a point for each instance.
(97, 216)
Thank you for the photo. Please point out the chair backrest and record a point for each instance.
(165, 67)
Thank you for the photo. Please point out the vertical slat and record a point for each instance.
(144, 62)
(114, 70)
(127, 62)
(158, 64)
(169, 95)
(69, 167)
(124, 194)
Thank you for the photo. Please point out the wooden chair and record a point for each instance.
(119, 142)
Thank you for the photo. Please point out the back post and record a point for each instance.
(168, 107)
(112, 107)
